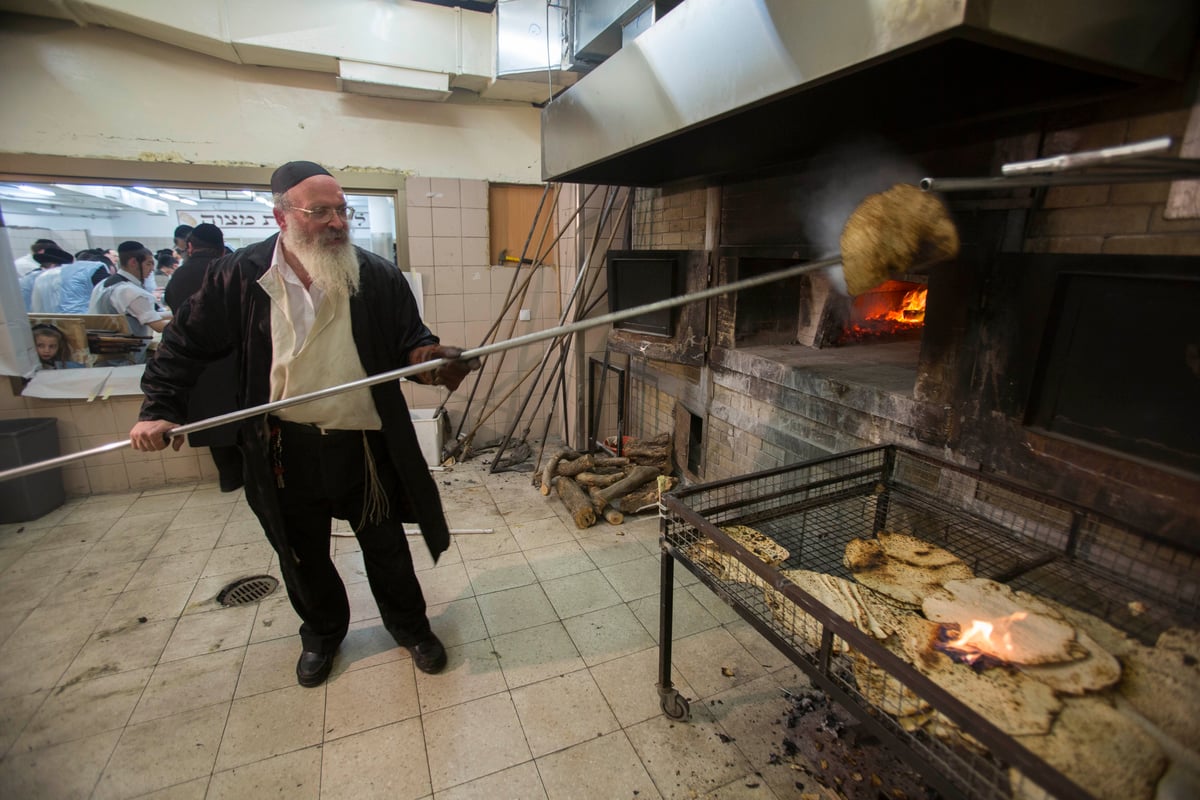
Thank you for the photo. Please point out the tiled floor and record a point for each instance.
(120, 675)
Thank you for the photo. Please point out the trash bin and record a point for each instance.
(431, 432)
(22, 442)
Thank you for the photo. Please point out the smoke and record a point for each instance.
(855, 170)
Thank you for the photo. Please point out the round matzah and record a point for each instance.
(1036, 634)
(908, 584)
(1097, 671)
(883, 690)
(1112, 639)
(1096, 747)
(856, 605)
(914, 551)
(726, 566)
(1012, 702)
(1163, 684)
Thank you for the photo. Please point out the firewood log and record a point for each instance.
(636, 477)
(576, 466)
(598, 480)
(576, 502)
(607, 462)
(635, 501)
(634, 452)
(602, 507)
(663, 465)
(551, 467)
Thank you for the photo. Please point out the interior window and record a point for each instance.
(80, 216)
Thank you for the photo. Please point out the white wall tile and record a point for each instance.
(420, 221)
(447, 251)
(475, 222)
(447, 222)
(420, 251)
(474, 193)
(445, 192)
(418, 192)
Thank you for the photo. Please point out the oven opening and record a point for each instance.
(893, 311)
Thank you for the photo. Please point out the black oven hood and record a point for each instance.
(723, 88)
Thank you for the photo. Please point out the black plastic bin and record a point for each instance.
(22, 442)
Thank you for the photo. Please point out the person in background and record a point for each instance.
(50, 258)
(215, 392)
(165, 263)
(27, 263)
(306, 310)
(181, 235)
(78, 279)
(124, 293)
(51, 347)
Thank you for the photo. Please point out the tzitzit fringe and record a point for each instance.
(375, 500)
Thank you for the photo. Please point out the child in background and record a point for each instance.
(51, 347)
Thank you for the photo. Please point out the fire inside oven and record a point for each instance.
(816, 311)
(893, 310)
(987, 729)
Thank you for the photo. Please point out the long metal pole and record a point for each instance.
(1058, 179)
(426, 366)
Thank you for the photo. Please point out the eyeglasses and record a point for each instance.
(325, 214)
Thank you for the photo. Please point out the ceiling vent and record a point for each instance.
(379, 80)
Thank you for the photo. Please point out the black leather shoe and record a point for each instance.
(429, 655)
(313, 668)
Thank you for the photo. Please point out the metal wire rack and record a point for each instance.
(1130, 579)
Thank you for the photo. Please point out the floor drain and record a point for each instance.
(244, 591)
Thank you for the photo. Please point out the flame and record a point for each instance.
(879, 315)
(985, 638)
(911, 310)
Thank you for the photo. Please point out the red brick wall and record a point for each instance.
(1118, 218)
(669, 219)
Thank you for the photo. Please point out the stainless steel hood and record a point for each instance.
(718, 88)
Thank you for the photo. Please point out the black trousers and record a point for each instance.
(324, 476)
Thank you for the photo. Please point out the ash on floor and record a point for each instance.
(825, 746)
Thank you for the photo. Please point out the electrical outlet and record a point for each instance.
(524, 315)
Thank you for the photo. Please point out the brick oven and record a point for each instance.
(1057, 351)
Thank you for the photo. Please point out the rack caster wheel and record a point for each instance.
(675, 705)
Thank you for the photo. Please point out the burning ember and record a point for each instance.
(982, 644)
(892, 308)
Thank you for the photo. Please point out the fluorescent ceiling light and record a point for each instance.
(48, 210)
(168, 196)
(145, 190)
(187, 201)
(35, 190)
(264, 201)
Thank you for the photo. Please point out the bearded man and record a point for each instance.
(302, 311)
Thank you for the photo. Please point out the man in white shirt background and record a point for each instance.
(125, 293)
(27, 263)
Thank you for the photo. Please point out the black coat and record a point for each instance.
(231, 313)
(215, 392)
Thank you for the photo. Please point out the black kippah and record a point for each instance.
(128, 248)
(292, 173)
(207, 235)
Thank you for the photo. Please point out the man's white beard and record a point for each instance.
(332, 266)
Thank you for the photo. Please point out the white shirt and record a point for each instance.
(47, 290)
(127, 297)
(26, 264)
(313, 348)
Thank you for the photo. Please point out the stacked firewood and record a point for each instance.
(593, 486)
